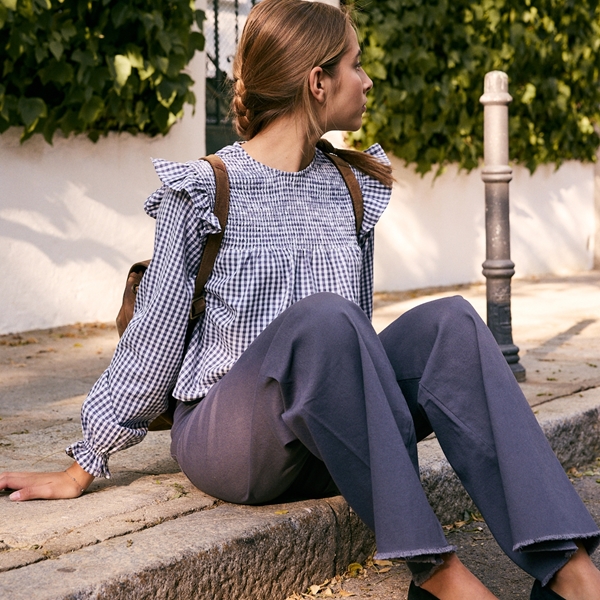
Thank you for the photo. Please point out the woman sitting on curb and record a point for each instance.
(284, 386)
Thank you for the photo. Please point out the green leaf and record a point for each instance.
(529, 93)
(161, 63)
(31, 110)
(160, 116)
(48, 130)
(146, 72)
(56, 48)
(134, 56)
(85, 57)
(122, 66)
(10, 4)
(3, 15)
(167, 92)
(164, 40)
(91, 110)
(59, 73)
(41, 53)
(69, 122)
(196, 41)
(68, 30)
(120, 13)
(199, 17)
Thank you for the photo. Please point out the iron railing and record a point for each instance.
(225, 20)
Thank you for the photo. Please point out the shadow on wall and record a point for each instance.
(552, 219)
(433, 232)
(71, 223)
(70, 226)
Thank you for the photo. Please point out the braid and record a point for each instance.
(363, 162)
(243, 116)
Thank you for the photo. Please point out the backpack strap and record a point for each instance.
(213, 243)
(351, 183)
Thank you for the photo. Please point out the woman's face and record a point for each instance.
(347, 102)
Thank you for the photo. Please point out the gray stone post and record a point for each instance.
(496, 174)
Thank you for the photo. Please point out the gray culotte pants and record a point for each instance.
(318, 384)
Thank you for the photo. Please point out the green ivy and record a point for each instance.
(94, 66)
(428, 59)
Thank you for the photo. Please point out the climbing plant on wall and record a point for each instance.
(428, 59)
(94, 66)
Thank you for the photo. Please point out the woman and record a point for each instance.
(298, 394)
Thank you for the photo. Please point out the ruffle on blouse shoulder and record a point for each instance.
(376, 196)
(196, 179)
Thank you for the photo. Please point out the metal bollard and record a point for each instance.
(496, 174)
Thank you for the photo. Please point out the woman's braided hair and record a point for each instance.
(283, 40)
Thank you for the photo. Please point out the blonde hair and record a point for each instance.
(282, 41)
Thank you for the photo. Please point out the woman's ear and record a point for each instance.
(316, 84)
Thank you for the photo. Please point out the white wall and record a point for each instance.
(72, 220)
(433, 232)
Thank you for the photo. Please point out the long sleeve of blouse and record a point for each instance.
(289, 235)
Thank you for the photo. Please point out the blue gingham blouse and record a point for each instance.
(288, 235)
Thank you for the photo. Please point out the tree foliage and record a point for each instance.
(428, 59)
(94, 66)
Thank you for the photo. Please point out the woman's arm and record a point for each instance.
(134, 388)
(70, 483)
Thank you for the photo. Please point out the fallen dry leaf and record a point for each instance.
(383, 563)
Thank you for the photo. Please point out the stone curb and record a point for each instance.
(258, 553)
(265, 553)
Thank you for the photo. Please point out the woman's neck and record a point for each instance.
(284, 145)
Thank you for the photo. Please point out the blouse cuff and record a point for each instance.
(197, 179)
(88, 460)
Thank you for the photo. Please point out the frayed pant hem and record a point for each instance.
(430, 555)
(422, 563)
(567, 537)
(522, 547)
(421, 577)
(567, 558)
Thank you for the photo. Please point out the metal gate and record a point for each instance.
(225, 20)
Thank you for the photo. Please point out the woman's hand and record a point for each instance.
(70, 483)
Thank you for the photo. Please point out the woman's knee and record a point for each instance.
(453, 312)
(324, 303)
(443, 309)
(326, 312)
(412, 337)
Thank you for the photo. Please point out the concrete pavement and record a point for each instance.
(148, 533)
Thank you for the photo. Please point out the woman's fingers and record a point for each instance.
(31, 486)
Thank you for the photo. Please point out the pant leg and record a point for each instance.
(316, 380)
(456, 380)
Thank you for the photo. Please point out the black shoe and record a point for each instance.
(542, 593)
(417, 593)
